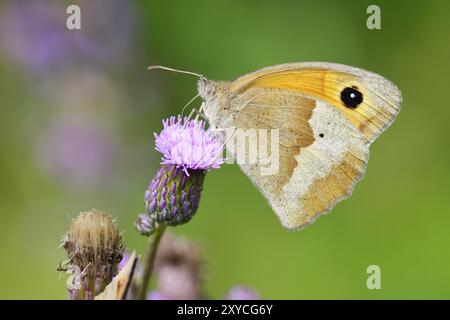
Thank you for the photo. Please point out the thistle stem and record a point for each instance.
(149, 262)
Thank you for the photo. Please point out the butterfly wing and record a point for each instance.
(324, 136)
(118, 288)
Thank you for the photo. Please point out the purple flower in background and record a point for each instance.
(186, 144)
(173, 195)
(109, 26)
(242, 293)
(76, 150)
(155, 295)
(178, 269)
(34, 33)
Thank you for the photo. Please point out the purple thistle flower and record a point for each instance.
(173, 195)
(186, 144)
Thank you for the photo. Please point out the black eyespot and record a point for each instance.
(321, 135)
(351, 97)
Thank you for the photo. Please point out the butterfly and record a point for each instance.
(327, 115)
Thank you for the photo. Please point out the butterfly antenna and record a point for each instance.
(177, 71)
(185, 72)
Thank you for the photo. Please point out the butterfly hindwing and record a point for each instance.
(321, 155)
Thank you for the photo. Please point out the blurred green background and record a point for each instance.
(78, 110)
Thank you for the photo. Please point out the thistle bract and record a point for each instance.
(173, 194)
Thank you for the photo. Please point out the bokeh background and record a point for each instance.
(78, 109)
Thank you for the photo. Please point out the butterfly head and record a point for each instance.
(216, 101)
(206, 88)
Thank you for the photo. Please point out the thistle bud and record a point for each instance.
(173, 195)
(189, 151)
(144, 224)
(94, 249)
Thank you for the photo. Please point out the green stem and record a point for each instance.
(149, 261)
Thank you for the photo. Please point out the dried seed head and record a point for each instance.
(94, 247)
(93, 237)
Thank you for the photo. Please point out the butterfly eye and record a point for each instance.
(351, 97)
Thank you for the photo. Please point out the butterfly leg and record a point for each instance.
(200, 113)
(187, 104)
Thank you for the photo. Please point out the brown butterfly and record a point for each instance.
(327, 116)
